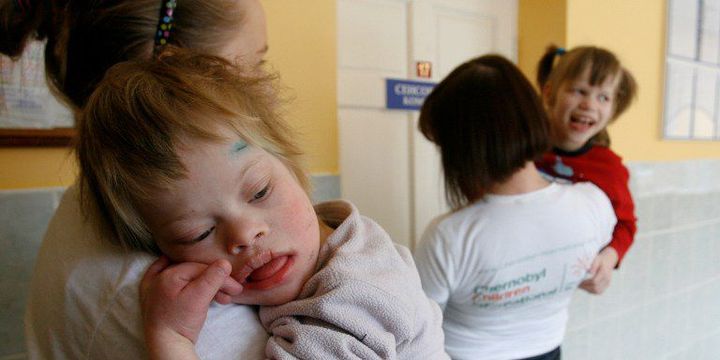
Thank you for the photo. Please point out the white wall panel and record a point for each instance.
(387, 168)
(375, 175)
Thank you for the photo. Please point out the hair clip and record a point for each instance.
(166, 22)
(560, 51)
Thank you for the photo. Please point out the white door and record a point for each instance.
(387, 169)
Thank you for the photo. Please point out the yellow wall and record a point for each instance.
(540, 22)
(36, 167)
(302, 50)
(635, 31)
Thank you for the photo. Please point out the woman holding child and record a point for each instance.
(505, 263)
(248, 242)
(84, 301)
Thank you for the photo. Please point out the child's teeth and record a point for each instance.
(583, 120)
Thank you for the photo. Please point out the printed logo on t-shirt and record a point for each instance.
(512, 284)
(561, 169)
(507, 290)
(582, 267)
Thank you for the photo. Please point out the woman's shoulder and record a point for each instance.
(88, 277)
(456, 224)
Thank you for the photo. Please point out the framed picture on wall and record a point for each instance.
(29, 114)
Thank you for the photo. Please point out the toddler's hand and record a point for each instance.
(601, 271)
(175, 298)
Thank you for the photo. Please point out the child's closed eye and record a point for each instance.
(191, 239)
(261, 194)
(204, 235)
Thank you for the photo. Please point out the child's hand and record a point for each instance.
(175, 298)
(601, 271)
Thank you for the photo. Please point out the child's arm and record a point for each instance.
(601, 270)
(615, 186)
(175, 300)
(609, 258)
(624, 232)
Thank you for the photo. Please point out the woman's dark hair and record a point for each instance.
(86, 37)
(570, 65)
(488, 122)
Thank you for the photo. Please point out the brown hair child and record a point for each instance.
(584, 90)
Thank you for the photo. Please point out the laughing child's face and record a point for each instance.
(240, 203)
(581, 110)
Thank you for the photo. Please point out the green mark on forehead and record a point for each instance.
(238, 147)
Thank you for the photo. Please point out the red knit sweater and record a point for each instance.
(604, 168)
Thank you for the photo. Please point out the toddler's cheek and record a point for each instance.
(299, 216)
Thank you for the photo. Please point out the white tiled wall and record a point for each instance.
(24, 215)
(664, 301)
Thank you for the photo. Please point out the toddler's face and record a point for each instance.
(242, 204)
(581, 110)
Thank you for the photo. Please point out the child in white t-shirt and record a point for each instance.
(504, 264)
(187, 157)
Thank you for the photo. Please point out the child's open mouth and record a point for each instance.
(581, 123)
(266, 272)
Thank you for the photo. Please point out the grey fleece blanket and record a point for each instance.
(365, 300)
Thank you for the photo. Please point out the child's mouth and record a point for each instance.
(266, 272)
(581, 123)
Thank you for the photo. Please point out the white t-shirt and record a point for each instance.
(84, 302)
(504, 269)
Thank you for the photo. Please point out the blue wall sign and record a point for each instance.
(406, 94)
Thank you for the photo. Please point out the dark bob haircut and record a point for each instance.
(488, 122)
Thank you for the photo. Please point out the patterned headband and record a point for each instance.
(166, 22)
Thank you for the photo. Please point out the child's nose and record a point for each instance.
(587, 102)
(244, 233)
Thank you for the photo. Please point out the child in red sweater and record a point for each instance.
(583, 91)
